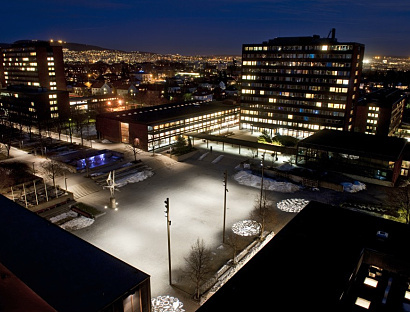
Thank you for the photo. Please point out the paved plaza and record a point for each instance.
(137, 233)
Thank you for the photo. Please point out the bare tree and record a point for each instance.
(399, 199)
(233, 242)
(198, 264)
(54, 169)
(261, 211)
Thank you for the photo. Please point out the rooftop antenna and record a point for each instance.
(332, 33)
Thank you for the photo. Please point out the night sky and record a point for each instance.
(191, 27)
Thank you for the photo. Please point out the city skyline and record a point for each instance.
(216, 27)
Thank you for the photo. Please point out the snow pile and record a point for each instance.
(77, 223)
(292, 204)
(285, 167)
(217, 159)
(246, 228)
(354, 187)
(136, 177)
(105, 141)
(166, 303)
(203, 156)
(246, 178)
(65, 215)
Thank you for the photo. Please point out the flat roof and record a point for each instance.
(308, 264)
(167, 112)
(356, 143)
(65, 271)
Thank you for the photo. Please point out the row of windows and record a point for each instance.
(299, 48)
(306, 122)
(296, 64)
(330, 97)
(298, 79)
(266, 86)
(231, 112)
(198, 126)
(286, 102)
(289, 71)
(276, 110)
(296, 56)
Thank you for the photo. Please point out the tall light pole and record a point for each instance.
(225, 181)
(169, 237)
(260, 201)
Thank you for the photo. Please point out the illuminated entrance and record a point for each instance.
(125, 133)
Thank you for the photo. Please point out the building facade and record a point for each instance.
(380, 112)
(298, 85)
(37, 106)
(34, 63)
(159, 126)
(34, 83)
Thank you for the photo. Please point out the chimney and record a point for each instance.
(333, 33)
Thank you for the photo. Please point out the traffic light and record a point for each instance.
(166, 207)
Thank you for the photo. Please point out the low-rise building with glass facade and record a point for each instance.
(158, 126)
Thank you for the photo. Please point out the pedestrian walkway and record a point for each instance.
(84, 189)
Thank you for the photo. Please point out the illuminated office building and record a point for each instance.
(34, 63)
(32, 75)
(298, 85)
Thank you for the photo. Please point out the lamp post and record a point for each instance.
(69, 127)
(169, 237)
(225, 181)
(260, 200)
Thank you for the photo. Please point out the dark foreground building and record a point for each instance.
(325, 259)
(45, 268)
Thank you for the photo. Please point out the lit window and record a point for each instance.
(362, 303)
(324, 48)
(371, 282)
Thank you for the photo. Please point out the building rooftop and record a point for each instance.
(167, 112)
(66, 272)
(316, 262)
(355, 143)
(382, 98)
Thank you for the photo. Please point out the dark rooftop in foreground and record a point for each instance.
(318, 262)
(167, 112)
(356, 143)
(66, 272)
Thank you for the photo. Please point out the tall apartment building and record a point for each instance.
(298, 85)
(34, 63)
(32, 75)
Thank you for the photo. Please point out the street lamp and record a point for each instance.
(225, 181)
(169, 237)
(69, 126)
(260, 201)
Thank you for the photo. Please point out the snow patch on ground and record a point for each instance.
(354, 187)
(249, 179)
(217, 159)
(77, 223)
(65, 215)
(292, 204)
(203, 156)
(134, 178)
(246, 228)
